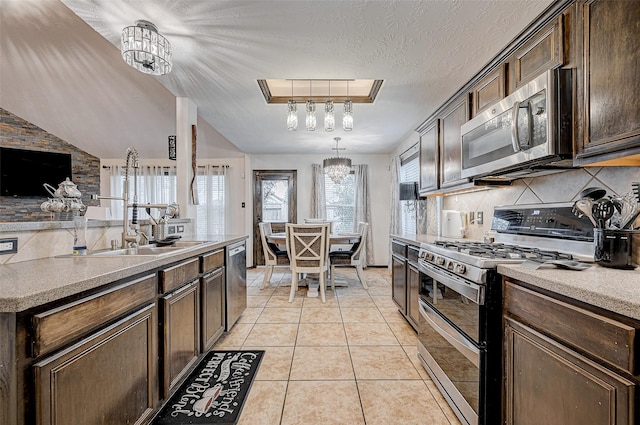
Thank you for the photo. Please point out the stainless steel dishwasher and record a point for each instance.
(236, 283)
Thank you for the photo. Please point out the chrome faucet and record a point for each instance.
(131, 233)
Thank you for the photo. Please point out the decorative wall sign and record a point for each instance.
(215, 391)
(172, 147)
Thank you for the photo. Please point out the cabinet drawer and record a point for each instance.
(173, 277)
(399, 248)
(54, 328)
(607, 339)
(412, 254)
(212, 260)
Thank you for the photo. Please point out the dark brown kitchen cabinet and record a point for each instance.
(413, 286)
(109, 377)
(429, 156)
(491, 89)
(456, 114)
(399, 275)
(610, 108)
(212, 295)
(566, 363)
(542, 52)
(180, 327)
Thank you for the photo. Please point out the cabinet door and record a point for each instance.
(429, 157)
(107, 378)
(611, 84)
(451, 142)
(490, 90)
(413, 288)
(548, 383)
(399, 282)
(181, 333)
(543, 52)
(212, 308)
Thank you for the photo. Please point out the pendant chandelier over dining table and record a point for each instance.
(337, 167)
(310, 112)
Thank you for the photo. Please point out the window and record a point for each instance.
(210, 214)
(341, 202)
(409, 172)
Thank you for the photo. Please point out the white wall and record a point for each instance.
(379, 178)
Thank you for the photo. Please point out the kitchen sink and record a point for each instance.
(184, 244)
(139, 251)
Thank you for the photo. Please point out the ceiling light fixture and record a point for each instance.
(292, 115)
(329, 115)
(337, 168)
(347, 118)
(145, 49)
(311, 112)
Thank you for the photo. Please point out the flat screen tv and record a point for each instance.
(23, 172)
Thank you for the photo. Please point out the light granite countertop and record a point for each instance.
(413, 239)
(32, 283)
(611, 289)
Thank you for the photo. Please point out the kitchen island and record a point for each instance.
(115, 334)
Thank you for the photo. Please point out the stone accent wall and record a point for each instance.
(18, 133)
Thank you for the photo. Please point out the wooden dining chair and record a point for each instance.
(271, 253)
(308, 248)
(352, 257)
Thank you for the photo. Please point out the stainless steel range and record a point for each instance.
(461, 300)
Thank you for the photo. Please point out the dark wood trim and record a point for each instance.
(8, 373)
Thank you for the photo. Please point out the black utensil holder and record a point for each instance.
(615, 248)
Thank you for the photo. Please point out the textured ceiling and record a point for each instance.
(423, 50)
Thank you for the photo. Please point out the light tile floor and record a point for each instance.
(350, 361)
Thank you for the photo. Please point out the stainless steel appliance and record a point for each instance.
(460, 300)
(236, 283)
(529, 131)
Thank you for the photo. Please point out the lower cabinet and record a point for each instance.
(399, 282)
(549, 383)
(566, 364)
(413, 288)
(105, 378)
(212, 313)
(181, 333)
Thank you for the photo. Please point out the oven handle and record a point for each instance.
(448, 332)
(515, 138)
(470, 290)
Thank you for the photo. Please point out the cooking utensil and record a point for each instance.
(585, 206)
(593, 193)
(602, 210)
(629, 219)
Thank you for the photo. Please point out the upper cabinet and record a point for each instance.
(610, 84)
(456, 114)
(429, 162)
(489, 90)
(542, 52)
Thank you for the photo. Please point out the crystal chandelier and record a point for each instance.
(146, 50)
(337, 168)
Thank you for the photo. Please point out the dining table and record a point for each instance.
(339, 238)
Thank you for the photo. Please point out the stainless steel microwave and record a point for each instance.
(529, 131)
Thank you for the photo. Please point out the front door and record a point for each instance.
(274, 201)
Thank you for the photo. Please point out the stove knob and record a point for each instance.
(439, 261)
(428, 256)
(461, 269)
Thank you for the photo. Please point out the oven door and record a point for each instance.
(448, 336)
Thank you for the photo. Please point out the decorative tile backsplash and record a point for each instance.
(559, 187)
(20, 134)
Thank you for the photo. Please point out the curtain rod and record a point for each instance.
(169, 166)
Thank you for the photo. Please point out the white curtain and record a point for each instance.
(211, 184)
(363, 207)
(156, 184)
(395, 226)
(318, 194)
